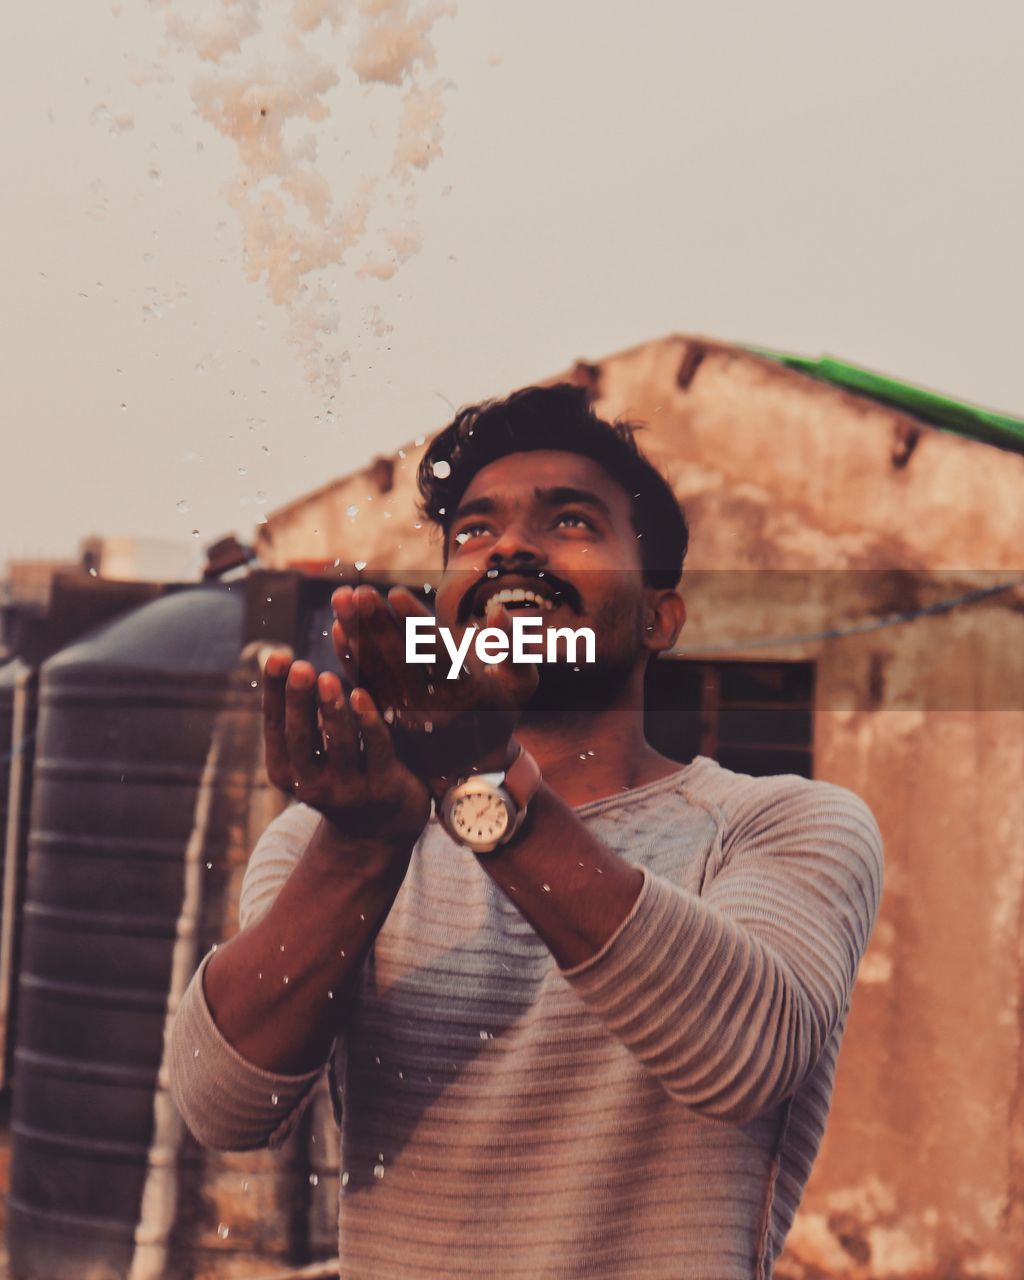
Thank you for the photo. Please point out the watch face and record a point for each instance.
(479, 817)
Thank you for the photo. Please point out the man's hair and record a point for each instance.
(558, 417)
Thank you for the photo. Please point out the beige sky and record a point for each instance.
(817, 177)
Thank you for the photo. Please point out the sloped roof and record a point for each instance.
(929, 406)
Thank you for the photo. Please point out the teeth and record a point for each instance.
(518, 595)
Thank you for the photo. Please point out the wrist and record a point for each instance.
(336, 850)
(498, 760)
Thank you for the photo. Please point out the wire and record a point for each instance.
(856, 628)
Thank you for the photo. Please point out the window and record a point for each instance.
(752, 717)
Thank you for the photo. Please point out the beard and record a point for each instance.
(575, 687)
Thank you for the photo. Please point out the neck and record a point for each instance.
(590, 754)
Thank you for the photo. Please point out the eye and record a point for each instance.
(470, 531)
(573, 520)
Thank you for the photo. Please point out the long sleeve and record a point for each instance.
(728, 997)
(229, 1103)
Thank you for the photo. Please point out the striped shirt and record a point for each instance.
(653, 1112)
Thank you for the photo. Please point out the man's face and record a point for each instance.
(556, 529)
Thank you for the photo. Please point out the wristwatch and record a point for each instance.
(485, 810)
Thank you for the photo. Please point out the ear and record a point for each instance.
(664, 616)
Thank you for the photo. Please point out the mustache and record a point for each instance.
(562, 591)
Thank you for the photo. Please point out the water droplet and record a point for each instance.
(181, 506)
(378, 1171)
(124, 407)
(243, 471)
(254, 684)
(314, 1180)
(261, 498)
(245, 1185)
(195, 1053)
(344, 1178)
(330, 995)
(285, 979)
(195, 533)
(274, 1099)
(401, 1075)
(492, 573)
(352, 509)
(442, 469)
(209, 866)
(223, 1230)
(486, 1035)
(360, 565)
(546, 888)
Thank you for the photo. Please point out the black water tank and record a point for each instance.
(126, 721)
(125, 724)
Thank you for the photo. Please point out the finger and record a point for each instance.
(377, 744)
(343, 648)
(341, 745)
(345, 632)
(301, 733)
(405, 604)
(381, 650)
(275, 674)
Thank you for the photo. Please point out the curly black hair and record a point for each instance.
(557, 417)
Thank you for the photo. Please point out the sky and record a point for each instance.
(820, 178)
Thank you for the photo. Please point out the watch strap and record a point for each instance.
(522, 779)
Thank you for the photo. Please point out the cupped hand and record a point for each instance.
(336, 754)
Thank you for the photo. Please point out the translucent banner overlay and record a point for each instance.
(865, 640)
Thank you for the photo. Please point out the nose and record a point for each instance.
(516, 544)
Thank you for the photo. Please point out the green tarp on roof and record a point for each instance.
(940, 411)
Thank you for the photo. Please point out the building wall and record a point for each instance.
(813, 509)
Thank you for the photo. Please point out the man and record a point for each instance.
(585, 1020)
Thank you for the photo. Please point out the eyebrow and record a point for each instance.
(566, 495)
(557, 496)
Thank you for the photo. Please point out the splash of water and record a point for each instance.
(267, 73)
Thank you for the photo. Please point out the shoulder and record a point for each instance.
(786, 814)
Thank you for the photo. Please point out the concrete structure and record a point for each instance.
(849, 511)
